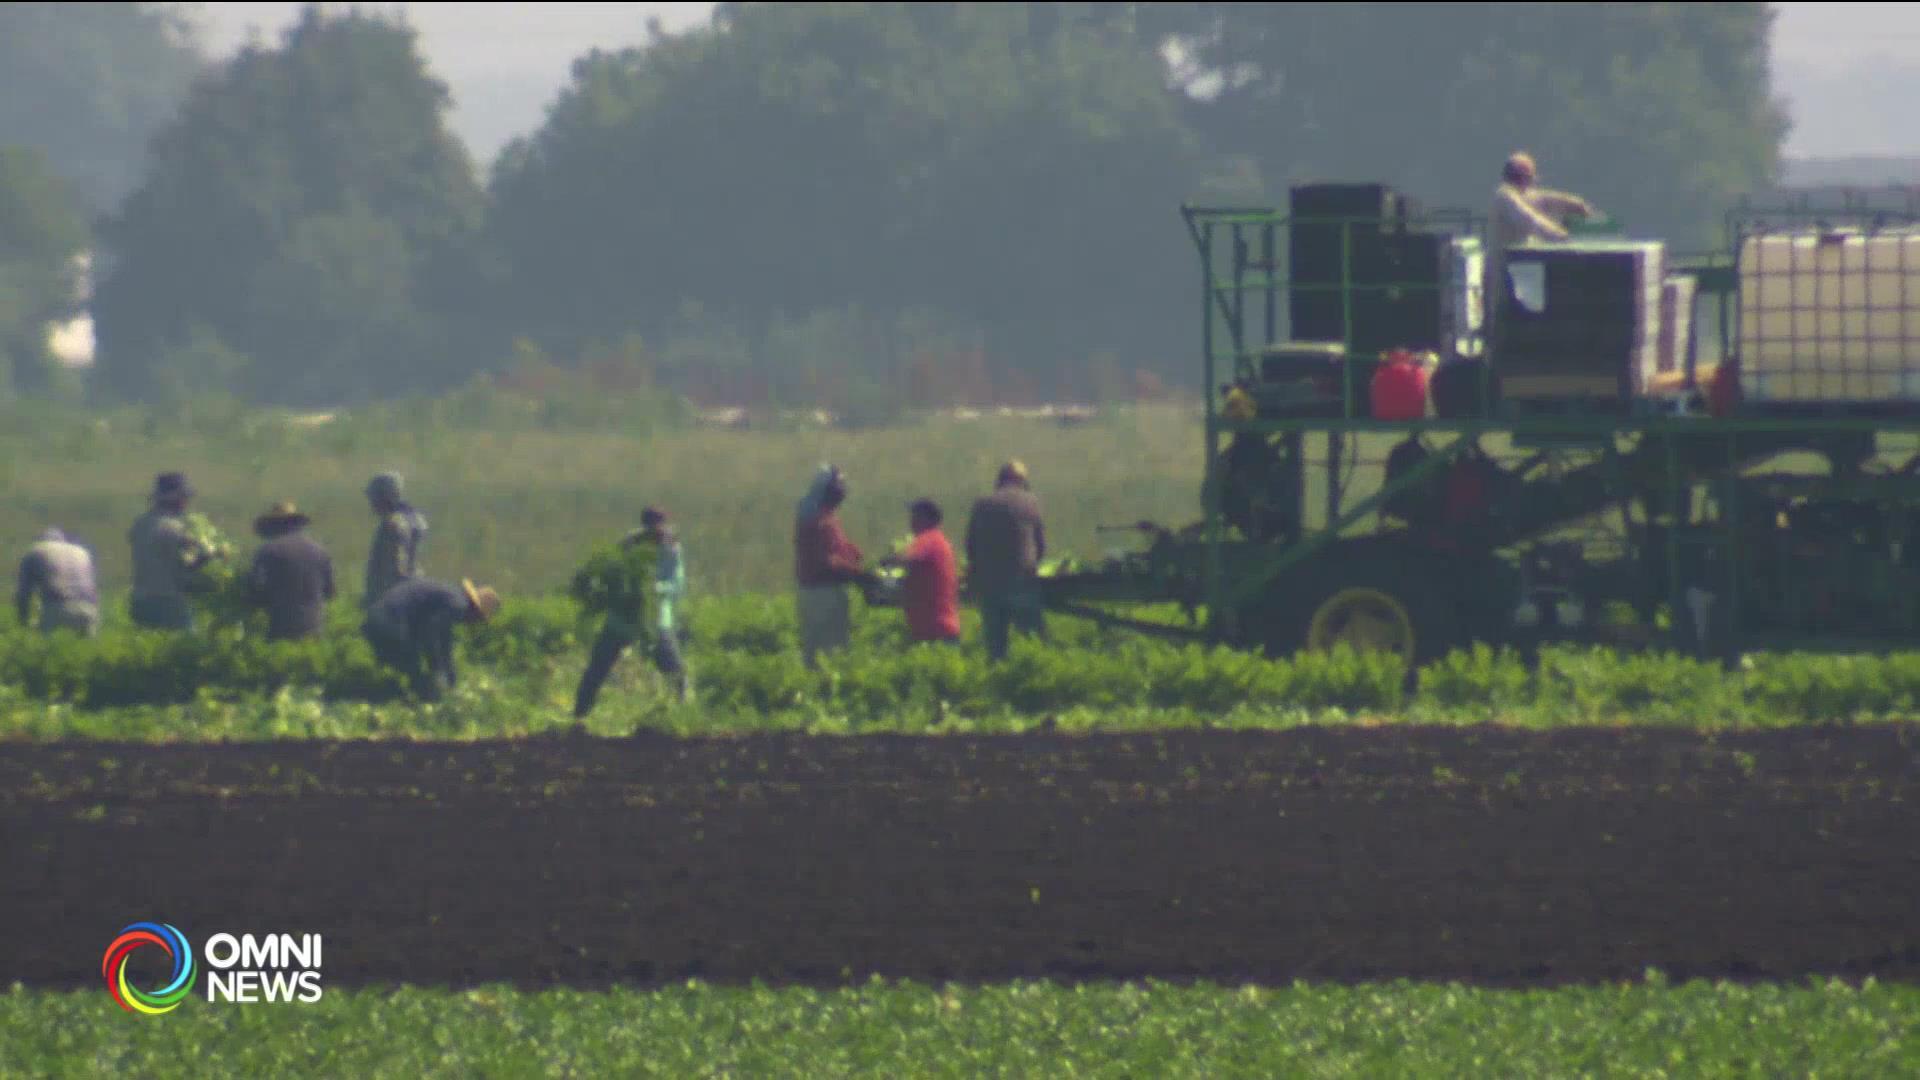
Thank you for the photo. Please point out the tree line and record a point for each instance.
(845, 205)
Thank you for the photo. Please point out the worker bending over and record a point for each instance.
(411, 629)
(60, 573)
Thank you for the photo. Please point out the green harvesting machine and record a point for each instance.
(1413, 447)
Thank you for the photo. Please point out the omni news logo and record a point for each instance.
(113, 968)
(243, 970)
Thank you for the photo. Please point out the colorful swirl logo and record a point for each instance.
(113, 968)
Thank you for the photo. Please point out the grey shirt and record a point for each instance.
(60, 573)
(162, 552)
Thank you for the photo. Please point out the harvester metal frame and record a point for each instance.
(1688, 472)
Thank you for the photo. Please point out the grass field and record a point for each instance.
(1828, 1030)
(522, 504)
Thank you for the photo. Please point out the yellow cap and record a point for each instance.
(1239, 405)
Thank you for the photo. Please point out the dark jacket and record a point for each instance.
(292, 576)
(395, 554)
(1005, 539)
(418, 616)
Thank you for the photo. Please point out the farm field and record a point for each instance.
(1309, 866)
(1335, 853)
(1699, 1029)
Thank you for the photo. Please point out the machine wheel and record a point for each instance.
(1366, 619)
(1372, 606)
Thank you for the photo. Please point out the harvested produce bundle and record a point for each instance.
(221, 587)
(617, 583)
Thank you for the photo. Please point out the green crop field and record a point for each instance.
(1022, 1029)
(518, 676)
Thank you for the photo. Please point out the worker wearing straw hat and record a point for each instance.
(411, 629)
(291, 576)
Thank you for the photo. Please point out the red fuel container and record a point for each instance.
(1399, 389)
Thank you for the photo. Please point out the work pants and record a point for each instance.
(607, 649)
(1014, 608)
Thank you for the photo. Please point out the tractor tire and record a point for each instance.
(1378, 604)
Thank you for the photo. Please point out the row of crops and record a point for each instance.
(1655, 1030)
(517, 676)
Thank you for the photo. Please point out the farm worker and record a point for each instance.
(825, 562)
(395, 555)
(670, 586)
(60, 573)
(1524, 212)
(291, 576)
(411, 629)
(164, 555)
(1005, 543)
(930, 595)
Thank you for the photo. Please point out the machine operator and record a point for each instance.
(1523, 213)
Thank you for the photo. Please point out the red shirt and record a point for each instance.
(930, 596)
(822, 554)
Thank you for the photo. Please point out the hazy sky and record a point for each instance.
(1845, 68)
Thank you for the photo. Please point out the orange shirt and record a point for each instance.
(930, 596)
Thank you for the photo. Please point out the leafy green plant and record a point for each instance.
(617, 583)
(884, 1028)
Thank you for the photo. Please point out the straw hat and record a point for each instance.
(484, 600)
(282, 515)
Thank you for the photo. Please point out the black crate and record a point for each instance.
(1314, 249)
(1591, 327)
(1411, 315)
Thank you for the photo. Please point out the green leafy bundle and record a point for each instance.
(217, 582)
(617, 583)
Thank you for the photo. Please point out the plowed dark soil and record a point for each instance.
(1494, 857)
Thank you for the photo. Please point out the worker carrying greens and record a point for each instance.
(165, 555)
(395, 554)
(1523, 213)
(291, 575)
(60, 573)
(619, 631)
(411, 629)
